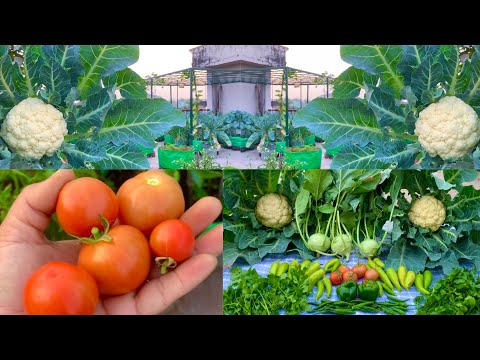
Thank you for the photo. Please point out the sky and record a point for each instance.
(162, 59)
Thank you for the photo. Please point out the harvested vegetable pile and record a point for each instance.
(252, 294)
(456, 294)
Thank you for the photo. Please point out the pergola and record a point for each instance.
(284, 76)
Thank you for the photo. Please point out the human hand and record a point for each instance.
(24, 248)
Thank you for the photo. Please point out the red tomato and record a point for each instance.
(349, 275)
(80, 203)
(60, 288)
(174, 239)
(119, 266)
(336, 277)
(150, 198)
(343, 269)
(371, 274)
(360, 270)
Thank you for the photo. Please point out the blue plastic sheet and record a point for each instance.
(263, 268)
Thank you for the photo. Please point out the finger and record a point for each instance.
(158, 294)
(36, 203)
(211, 242)
(201, 214)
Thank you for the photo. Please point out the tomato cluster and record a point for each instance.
(120, 234)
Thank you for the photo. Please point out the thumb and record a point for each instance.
(36, 203)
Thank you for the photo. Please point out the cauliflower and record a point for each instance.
(33, 128)
(273, 210)
(427, 212)
(449, 128)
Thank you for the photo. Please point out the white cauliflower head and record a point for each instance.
(33, 128)
(273, 210)
(427, 212)
(449, 128)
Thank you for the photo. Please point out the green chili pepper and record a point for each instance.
(427, 279)
(419, 284)
(347, 291)
(392, 275)
(409, 279)
(372, 264)
(402, 274)
(330, 264)
(328, 285)
(274, 268)
(336, 266)
(368, 290)
(305, 264)
(313, 278)
(388, 289)
(312, 268)
(379, 263)
(320, 289)
(293, 265)
(380, 288)
(282, 269)
(384, 277)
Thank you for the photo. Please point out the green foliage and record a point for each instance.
(240, 123)
(376, 103)
(456, 294)
(252, 294)
(214, 128)
(81, 81)
(264, 129)
(417, 248)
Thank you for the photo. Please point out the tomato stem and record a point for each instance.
(164, 263)
(97, 235)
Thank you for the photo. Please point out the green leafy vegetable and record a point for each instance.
(251, 294)
(456, 294)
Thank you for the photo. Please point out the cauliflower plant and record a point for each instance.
(273, 210)
(33, 128)
(427, 212)
(449, 128)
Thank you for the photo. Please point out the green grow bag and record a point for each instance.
(334, 151)
(170, 159)
(280, 146)
(145, 150)
(308, 159)
(238, 142)
(168, 140)
(197, 145)
(310, 140)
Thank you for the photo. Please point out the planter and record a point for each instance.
(334, 151)
(280, 146)
(174, 159)
(238, 142)
(304, 160)
(197, 145)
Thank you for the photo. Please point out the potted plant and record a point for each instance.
(304, 157)
(174, 156)
(240, 127)
(177, 149)
(263, 132)
(213, 129)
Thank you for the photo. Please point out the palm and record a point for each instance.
(24, 248)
